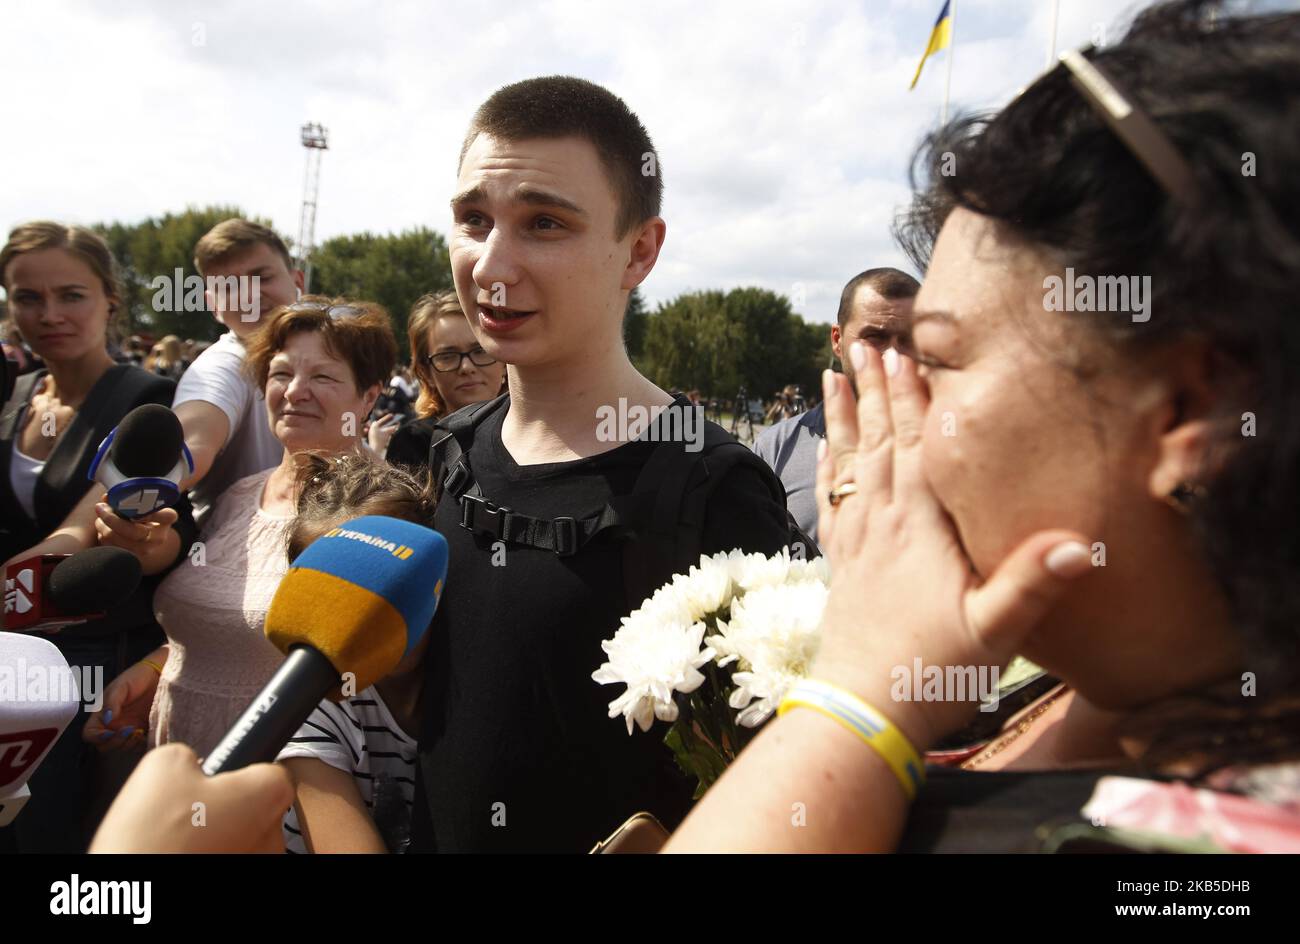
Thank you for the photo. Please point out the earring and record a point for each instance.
(1184, 496)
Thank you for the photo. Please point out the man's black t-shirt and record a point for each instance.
(518, 752)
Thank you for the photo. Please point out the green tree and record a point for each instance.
(771, 349)
(816, 342)
(720, 341)
(393, 270)
(635, 321)
(689, 343)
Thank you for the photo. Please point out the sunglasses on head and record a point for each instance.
(333, 312)
(1133, 126)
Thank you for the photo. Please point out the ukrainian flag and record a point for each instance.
(940, 38)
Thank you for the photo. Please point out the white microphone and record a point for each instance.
(39, 698)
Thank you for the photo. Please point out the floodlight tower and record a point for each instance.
(315, 140)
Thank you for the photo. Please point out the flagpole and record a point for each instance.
(1051, 37)
(952, 47)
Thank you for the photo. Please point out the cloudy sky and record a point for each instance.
(784, 129)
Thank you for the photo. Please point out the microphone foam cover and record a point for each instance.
(98, 578)
(44, 696)
(363, 594)
(148, 442)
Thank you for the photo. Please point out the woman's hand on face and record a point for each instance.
(124, 718)
(149, 537)
(902, 587)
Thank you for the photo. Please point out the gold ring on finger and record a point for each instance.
(841, 492)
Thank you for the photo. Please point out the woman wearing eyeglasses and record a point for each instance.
(321, 364)
(1109, 490)
(453, 369)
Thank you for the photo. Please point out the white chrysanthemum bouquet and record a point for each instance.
(714, 651)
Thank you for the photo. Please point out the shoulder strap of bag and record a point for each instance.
(453, 436)
(22, 393)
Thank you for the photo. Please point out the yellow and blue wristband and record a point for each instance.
(880, 734)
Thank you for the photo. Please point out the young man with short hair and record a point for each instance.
(556, 220)
(874, 308)
(222, 413)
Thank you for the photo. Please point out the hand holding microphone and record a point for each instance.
(355, 601)
(143, 461)
(151, 538)
(168, 805)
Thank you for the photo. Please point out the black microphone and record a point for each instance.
(143, 461)
(50, 591)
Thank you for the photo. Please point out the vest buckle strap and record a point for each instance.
(457, 479)
(479, 515)
(566, 535)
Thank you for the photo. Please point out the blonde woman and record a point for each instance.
(63, 295)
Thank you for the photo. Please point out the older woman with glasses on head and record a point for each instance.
(321, 364)
(453, 369)
(1108, 488)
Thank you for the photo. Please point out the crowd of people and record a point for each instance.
(1110, 497)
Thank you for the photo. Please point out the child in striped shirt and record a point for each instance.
(354, 761)
(354, 765)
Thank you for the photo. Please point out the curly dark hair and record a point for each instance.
(1047, 168)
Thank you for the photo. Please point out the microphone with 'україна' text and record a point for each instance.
(355, 601)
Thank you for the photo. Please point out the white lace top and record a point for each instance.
(213, 614)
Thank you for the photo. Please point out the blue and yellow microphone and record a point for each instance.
(352, 605)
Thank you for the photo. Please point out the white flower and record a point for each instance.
(818, 569)
(654, 659)
(706, 589)
(757, 696)
(668, 605)
(751, 571)
(773, 635)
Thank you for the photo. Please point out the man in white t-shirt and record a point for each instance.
(222, 413)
